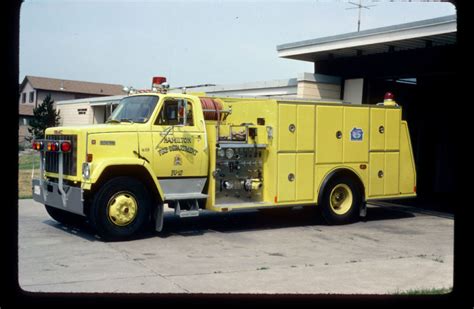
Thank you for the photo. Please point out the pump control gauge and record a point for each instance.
(229, 153)
(221, 153)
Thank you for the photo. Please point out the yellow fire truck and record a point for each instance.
(197, 152)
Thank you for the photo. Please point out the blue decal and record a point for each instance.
(357, 134)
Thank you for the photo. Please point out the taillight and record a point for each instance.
(65, 146)
(37, 145)
(53, 146)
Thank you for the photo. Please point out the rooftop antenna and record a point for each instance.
(360, 7)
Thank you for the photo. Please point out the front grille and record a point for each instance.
(69, 159)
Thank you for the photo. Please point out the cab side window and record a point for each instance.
(176, 112)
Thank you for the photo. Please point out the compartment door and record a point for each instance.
(377, 129)
(305, 128)
(391, 171)
(287, 127)
(392, 129)
(376, 173)
(304, 176)
(286, 177)
(329, 134)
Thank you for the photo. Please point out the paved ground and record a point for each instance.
(248, 252)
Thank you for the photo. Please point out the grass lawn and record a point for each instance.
(27, 161)
(25, 166)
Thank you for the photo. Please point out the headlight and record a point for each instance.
(229, 153)
(86, 170)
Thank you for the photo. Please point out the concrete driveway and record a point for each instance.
(395, 249)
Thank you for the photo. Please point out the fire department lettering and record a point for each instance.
(177, 140)
(172, 148)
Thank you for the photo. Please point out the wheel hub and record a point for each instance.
(122, 208)
(341, 199)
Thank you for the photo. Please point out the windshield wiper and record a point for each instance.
(112, 121)
(126, 120)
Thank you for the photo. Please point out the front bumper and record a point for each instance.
(48, 193)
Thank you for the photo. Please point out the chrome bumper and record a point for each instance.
(48, 193)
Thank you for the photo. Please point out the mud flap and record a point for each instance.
(158, 217)
(363, 210)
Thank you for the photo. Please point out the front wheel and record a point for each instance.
(341, 201)
(120, 209)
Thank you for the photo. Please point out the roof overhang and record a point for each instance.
(426, 33)
(97, 101)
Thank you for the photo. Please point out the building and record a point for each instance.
(417, 62)
(87, 111)
(305, 85)
(34, 89)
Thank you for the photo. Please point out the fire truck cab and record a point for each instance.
(200, 153)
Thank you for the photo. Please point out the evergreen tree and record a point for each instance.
(44, 116)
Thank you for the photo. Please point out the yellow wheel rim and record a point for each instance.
(122, 208)
(341, 199)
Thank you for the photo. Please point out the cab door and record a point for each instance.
(179, 141)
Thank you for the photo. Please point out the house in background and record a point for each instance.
(34, 89)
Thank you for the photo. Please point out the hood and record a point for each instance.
(95, 128)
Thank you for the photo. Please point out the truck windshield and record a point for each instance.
(134, 109)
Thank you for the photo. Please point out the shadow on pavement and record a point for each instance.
(254, 220)
(238, 221)
(82, 229)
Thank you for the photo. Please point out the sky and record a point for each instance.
(189, 42)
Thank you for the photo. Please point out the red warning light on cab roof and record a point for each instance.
(158, 80)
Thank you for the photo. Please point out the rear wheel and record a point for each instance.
(341, 200)
(121, 208)
(63, 216)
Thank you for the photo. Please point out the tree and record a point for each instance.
(44, 116)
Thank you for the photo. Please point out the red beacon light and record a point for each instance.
(158, 80)
(159, 84)
(388, 99)
(388, 96)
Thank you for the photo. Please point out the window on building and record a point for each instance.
(32, 96)
(23, 97)
(23, 121)
(82, 111)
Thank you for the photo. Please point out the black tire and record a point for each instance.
(347, 200)
(133, 212)
(64, 217)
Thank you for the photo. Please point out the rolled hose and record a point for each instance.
(213, 105)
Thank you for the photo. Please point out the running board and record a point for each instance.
(184, 196)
